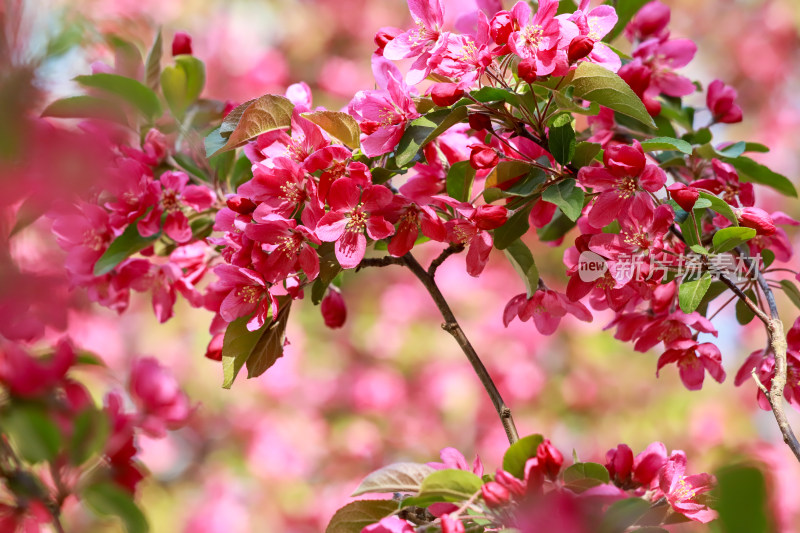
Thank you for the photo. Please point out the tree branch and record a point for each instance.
(379, 262)
(447, 252)
(451, 326)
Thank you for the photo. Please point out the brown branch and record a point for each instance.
(379, 262)
(447, 252)
(451, 326)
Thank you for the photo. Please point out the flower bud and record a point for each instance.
(368, 127)
(160, 400)
(619, 463)
(721, 101)
(214, 350)
(500, 27)
(384, 35)
(684, 196)
(534, 476)
(480, 122)
(240, 204)
(526, 70)
(446, 94)
(550, 459)
(333, 309)
(490, 216)
(482, 157)
(452, 525)
(495, 495)
(181, 44)
(580, 47)
(514, 485)
(758, 219)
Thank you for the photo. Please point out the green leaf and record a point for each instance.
(690, 293)
(666, 143)
(457, 114)
(183, 83)
(85, 107)
(791, 291)
(597, 84)
(626, 9)
(557, 228)
(35, 434)
(397, 477)
(29, 212)
(585, 153)
(329, 268)
(339, 125)
(745, 315)
(583, 476)
(130, 90)
(561, 139)
(214, 142)
(742, 502)
(459, 181)
(121, 248)
(506, 170)
(152, 68)
(756, 147)
(89, 434)
(754, 172)
(567, 197)
(729, 238)
(623, 514)
(720, 206)
(425, 129)
(258, 349)
(108, 499)
(522, 260)
(267, 113)
(495, 94)
(355, 516)
(734, 150)
(514, 228)
(518, 454)
(450, 485)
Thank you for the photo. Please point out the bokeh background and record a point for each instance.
(281, 453)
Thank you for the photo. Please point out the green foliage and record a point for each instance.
(561, 139)
(459, 181)
(791, 291)
(108, 499)
(585, 153)
(742, 500)
(515, 227)
(690, 293)
(121, 248)
(450, 485)
(85, 107)
(152, 66)
(567, 196)
(355, 516)
(582, 476)
(425, 129)
(339, 125)
(752, 171)
(518, 454)
(720, 206)
(89, 435)
(183, 83)
(557, 228)
(35, 434)
(727, 239)
(397, 477)
(131, 91)
(521, 258)
(597, 84)
(666, 143)
(252, 118)
(626, 9)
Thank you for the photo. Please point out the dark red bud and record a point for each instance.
(240, 204)
(495, 495)
(490, 216)
(333, 309)
(500, 27)
(214, 350)
(684, 196)
(181, 44)
(384, 35)
(550, 459)
(482, 157)
(619, 463)
(446, 94)
(368, 127)
(758, 219)
(580, 47)
(480, 122)
(526, 70)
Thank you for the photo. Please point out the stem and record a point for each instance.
(451, 326)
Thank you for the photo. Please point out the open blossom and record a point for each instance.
(546, 307)
(175, 195)
(672, 327)
(684, 492)
(352, 213)
(452, 458)
(693, 361)
(26, 376)
(383, 114)
(162, 403)
(542, 37)
(625, 176)
(721, 101)
(472, 232)
(289, 244)
(281, 189)
(593, 26)
(412, 220)
(245, 291)
(390, 524)
(418, 42)
(650, 21)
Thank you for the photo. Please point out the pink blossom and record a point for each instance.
(289, 246)
(162, 403)
(693, 361)
(246, 291)
(682, 492)
(391, 524)
(26, 376)
(650, 21)
(547, 307)
(428, 16)
(721, 100)
(593, 26)
(543, 37)
(281, 188)
(352, 212)
(175, 195)
(452, 458)
(333, 309)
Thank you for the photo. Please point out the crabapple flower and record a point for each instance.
(411, 221)
(619, 463)
(682, 491)
(245, 291)
(175, 194)
(472, 231)
(419, 41)
(721, 101)
(482, 157)
(542, 37)
(495, 495)
(693, 361)
(648, 463)
(352, 212)
(550, 459)
(390, 524)
(651, 21)
(289, 244)
(333, 309)
(756, 218)
(155, 391)
(280, 189)
(684, 196)
(383, 114)
(625, 176)
(452, 525)
(546, 307)
(26, 376)
(672, 327)
(454, 459)
(593, 26)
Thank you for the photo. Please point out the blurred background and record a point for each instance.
(281, 453)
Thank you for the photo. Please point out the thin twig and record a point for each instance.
(451, 326)
(447, 252)
(379, 262)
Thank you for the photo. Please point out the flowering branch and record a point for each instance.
(451, 326)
